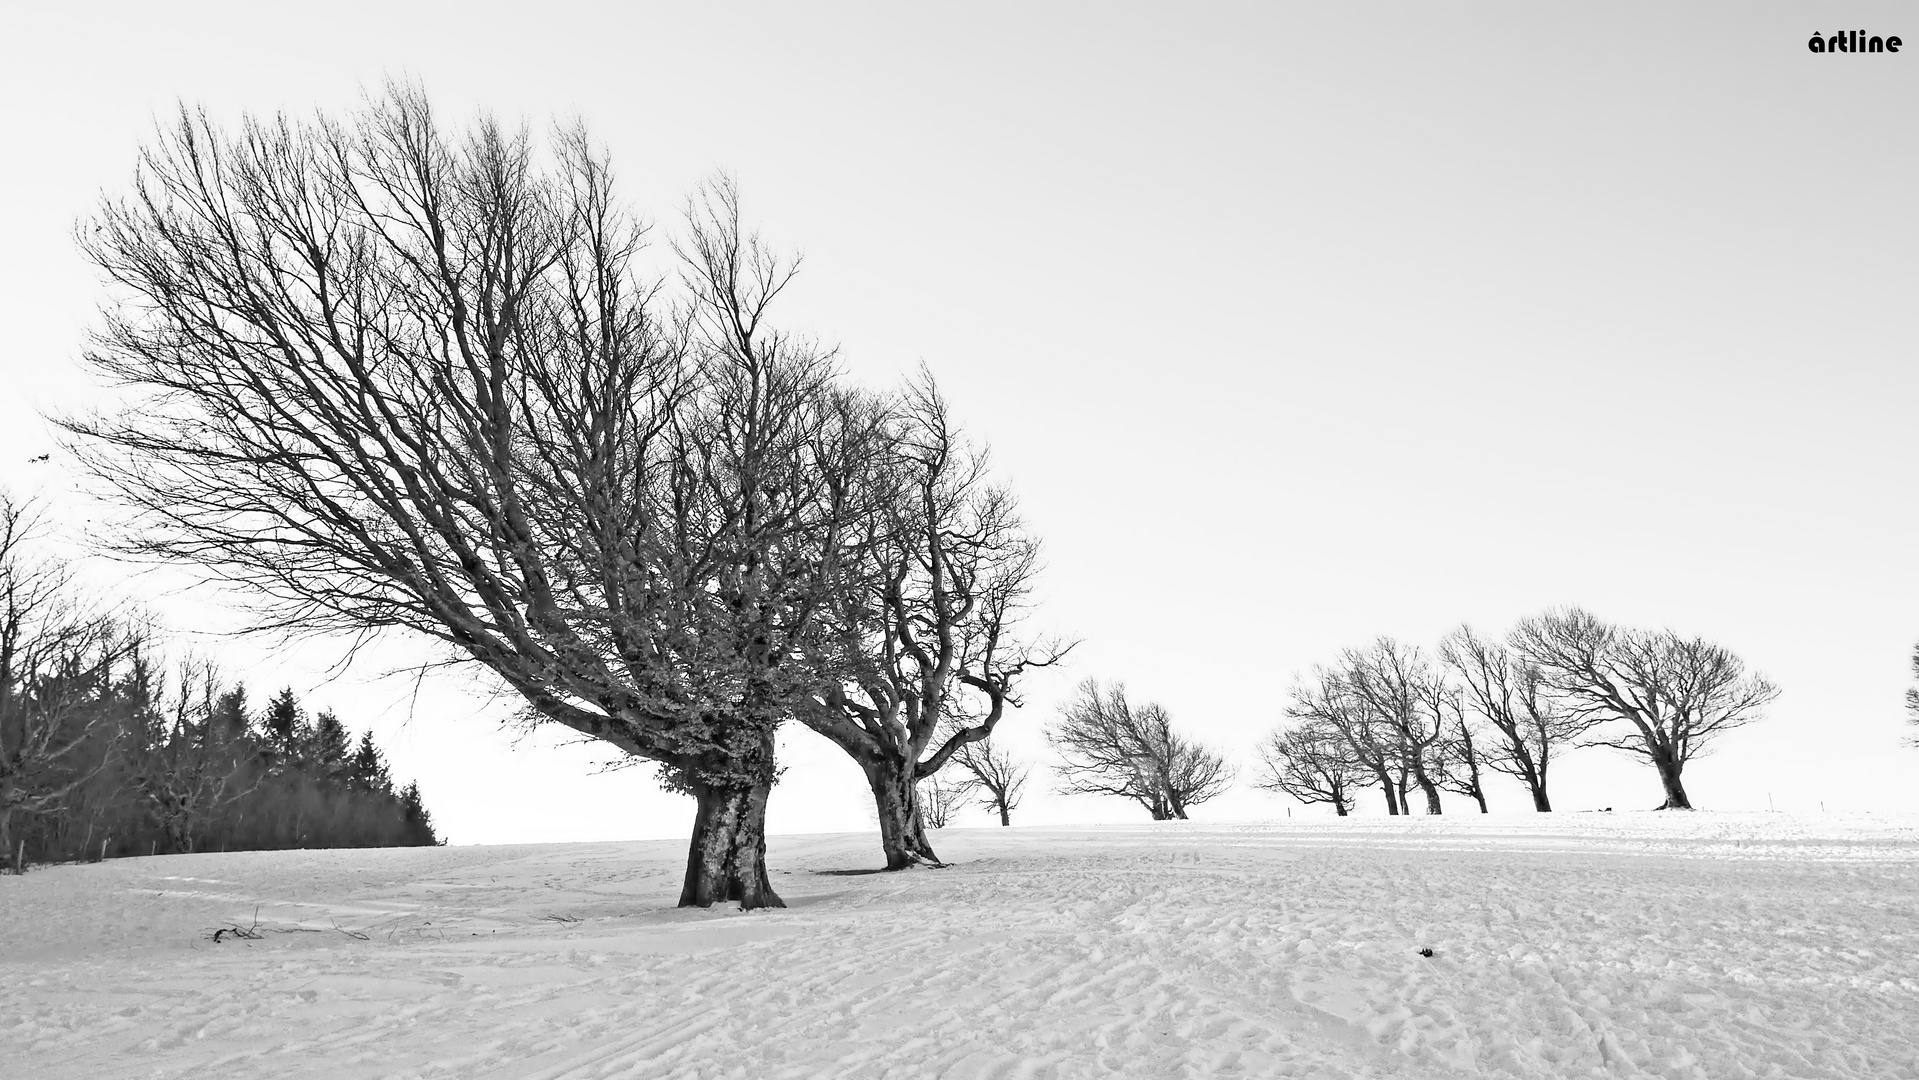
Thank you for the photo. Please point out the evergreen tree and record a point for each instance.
(367, 770)
(419, 823)
(329, 747)
(230, 713)
(284, 722)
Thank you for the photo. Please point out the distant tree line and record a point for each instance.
(1394, 718)
(108, 750)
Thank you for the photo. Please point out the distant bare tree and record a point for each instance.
(1326, 702)
(995, 777)
(1389, 680)
(1108, 746)
(1673, 696)
(57, 661)
(928, 641)
(192, 762)
(1510, 694)
(382, 378)
(1311, 763)
(939, 800)
(1912, 700)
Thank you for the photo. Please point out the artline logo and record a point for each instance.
(1852, 41)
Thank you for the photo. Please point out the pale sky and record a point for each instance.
(1291, 327)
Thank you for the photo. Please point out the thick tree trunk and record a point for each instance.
(1669, 779)
(7, 858)
(902, 827)
(179, 835)
(727, 858)
(1429, 789)
(1156, 806)
(1535, 778)
(1005, 815)
(1175, 805)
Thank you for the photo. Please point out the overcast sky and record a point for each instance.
(1291, 327)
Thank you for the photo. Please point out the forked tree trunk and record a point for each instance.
(1386, 785)
(1156, 806)
(1176, 804)
(1669, 779)
(1533, 775)
(727, 859)
(902, 826)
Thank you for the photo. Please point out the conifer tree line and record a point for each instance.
(108, 749)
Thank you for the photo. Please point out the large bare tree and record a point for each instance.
(929, 642)
(1511, 695)
(1109, 746)
(1670, 697)
(1310, 762)
(386, 378)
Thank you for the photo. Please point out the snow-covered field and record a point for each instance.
(1672, 945)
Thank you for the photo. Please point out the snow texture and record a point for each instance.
(1591, 945)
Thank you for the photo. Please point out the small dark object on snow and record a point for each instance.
(1425, 952)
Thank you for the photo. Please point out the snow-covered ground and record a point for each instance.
(1631, 944)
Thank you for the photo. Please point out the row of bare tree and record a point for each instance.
(1391, 716)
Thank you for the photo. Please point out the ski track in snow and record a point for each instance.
(1708, 946)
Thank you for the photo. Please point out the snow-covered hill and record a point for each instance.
(1668, 945)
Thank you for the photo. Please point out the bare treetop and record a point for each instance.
(928, 639)
(1675, 696)
(382, 378)
(1110, 746)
